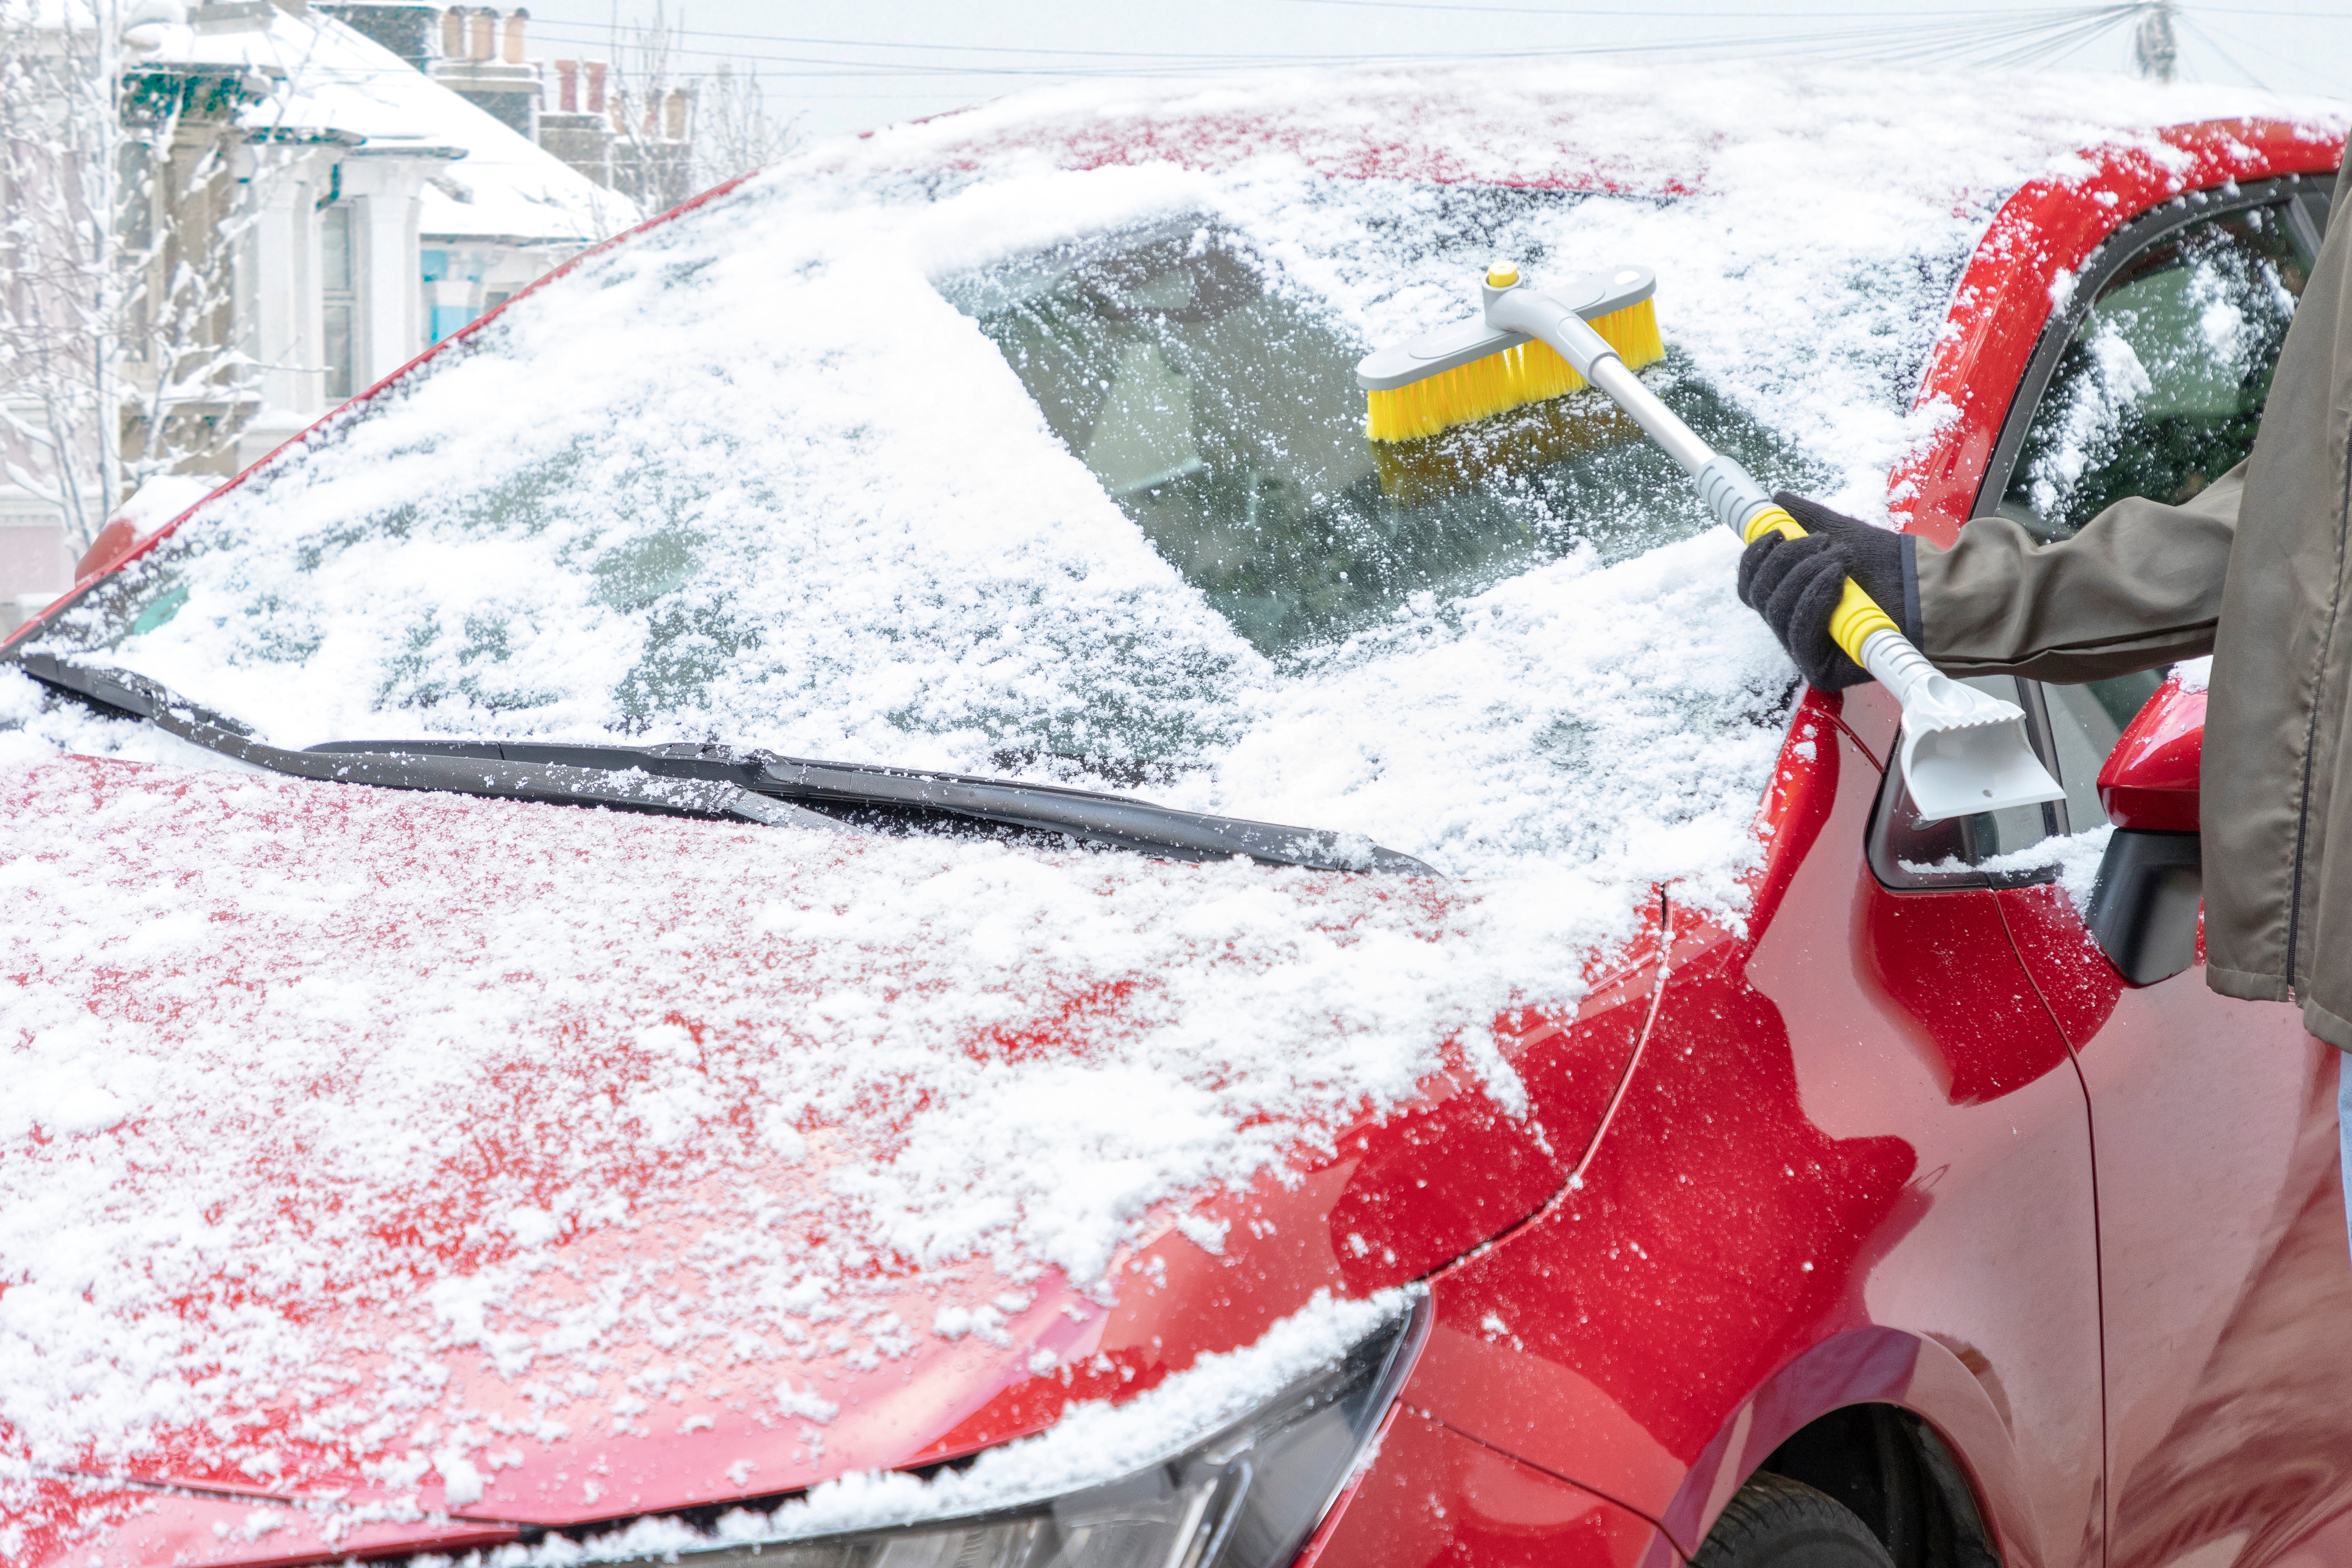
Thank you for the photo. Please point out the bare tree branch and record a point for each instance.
(127, 191)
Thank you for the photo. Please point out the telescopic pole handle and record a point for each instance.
(1964, 750)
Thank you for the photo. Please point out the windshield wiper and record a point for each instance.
(724, 782)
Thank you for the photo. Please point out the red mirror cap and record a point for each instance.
(106, 550)
(2150, 778)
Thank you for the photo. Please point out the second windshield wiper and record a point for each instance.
(714, 781)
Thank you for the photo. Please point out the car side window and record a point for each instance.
(2202, 309)
(2159, 389)
(2086, 722)
(2154, 388)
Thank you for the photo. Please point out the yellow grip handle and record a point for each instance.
(1857, 618)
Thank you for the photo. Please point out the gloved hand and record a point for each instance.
(1795, 584)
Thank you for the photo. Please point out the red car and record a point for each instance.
(1912, 1202)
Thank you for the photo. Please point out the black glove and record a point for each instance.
(1794, 583)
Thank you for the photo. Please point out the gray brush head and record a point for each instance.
(1591, 295)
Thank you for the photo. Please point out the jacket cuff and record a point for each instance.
(1911, 626)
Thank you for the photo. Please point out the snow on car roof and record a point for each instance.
(1824, 203)
(768, 417)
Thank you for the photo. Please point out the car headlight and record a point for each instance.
(1247, 1498)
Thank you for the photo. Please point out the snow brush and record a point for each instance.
(1963, 750)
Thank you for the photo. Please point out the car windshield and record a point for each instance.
(864, 470)
(1222, 415)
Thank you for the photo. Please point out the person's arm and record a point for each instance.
(2138, 587)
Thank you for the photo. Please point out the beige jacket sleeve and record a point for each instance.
(2139, 587)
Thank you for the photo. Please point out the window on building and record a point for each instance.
(451, 291)
(134, 174)
(341, 307)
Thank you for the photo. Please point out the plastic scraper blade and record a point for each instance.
(1964, 750)
(1970, 754)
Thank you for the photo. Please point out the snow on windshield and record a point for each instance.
(751, 477)
(755, 477)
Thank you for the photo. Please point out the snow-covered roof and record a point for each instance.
(326, 78)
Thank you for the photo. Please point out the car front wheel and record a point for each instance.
(1775, 1522)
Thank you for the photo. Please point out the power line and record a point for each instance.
(2214, 44)
(1954, 36)
(1578, 15)
(1565, 15)
(1998, 38)
(890, 43)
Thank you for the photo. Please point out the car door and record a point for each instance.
(2226, 1296)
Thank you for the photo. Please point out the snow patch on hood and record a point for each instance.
(537, 1085)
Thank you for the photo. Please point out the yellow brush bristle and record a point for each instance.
(1529, 374)
(1413, 473)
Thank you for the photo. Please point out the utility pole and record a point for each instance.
(2156, 53)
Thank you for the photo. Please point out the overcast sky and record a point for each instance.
(851, 66)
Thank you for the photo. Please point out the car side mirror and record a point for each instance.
(2150, 887)
(2149, 782)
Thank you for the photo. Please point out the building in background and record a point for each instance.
(481, 61)
(302, 209)
(630, 130)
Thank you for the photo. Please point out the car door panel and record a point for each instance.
(2227, 1291)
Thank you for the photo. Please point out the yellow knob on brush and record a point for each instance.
(1502, 274)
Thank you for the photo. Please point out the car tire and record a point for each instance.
(1775, 1522)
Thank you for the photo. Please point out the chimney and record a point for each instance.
(567, 87)
(486, 27)
(515, 20)
(595, 86)
(453, 33)
(674, 115)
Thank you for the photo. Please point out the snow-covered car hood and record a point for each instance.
(526, 1162)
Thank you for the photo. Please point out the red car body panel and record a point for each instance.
(1436, 1496)
(1816, 1184)
(152, 1524)
(1923, 1149)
